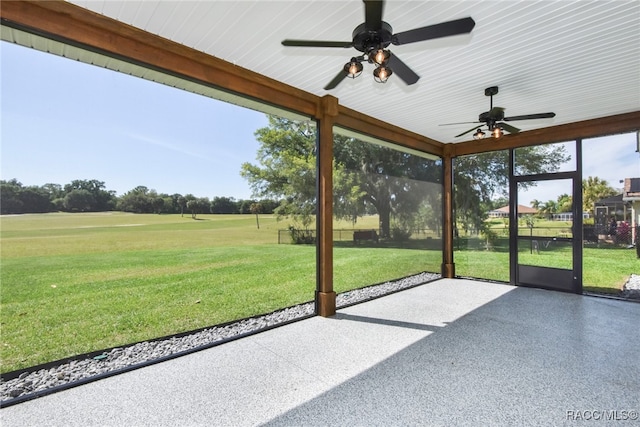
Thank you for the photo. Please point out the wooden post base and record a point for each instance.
(325, 304)
(449, 270)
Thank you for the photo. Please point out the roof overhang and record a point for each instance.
(62, 27)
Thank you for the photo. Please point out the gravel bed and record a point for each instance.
(631, 289)
(126, 357)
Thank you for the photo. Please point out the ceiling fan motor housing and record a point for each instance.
(365, 39)
(498, 114)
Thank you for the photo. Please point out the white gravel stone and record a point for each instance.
(631, 289)
(143, 352)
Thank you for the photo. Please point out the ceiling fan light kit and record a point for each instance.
(381, 74)
(380, 56)
(372, 39)
(353, 68)
(479, 134)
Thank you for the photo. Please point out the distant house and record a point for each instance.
(617, 206)
(503, 212)
(567, 216)
(612, 206)
(563, 216)
(631, 195)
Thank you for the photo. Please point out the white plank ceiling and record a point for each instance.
(579, 59)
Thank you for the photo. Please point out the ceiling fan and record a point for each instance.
(493, 119)
(373, 37)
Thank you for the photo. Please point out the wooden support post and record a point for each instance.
(448, 266)
(325, 296)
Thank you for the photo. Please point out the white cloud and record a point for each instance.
(169, 146)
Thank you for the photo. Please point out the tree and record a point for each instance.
(16, 198)
(564, 203)
(244, 206)
(594, 189)
(10, 202)
(192, 205)
(79, 200)
(158, 204)
(479, 178)
(54, 191)
(535, 204)
(224, 205)
(288, 172)
(268, 205)
(103, 200)
(56, 195)
(367, 177)
(498, 203)
(198, 206)
(393, 182)
(35, 199)
(138, 200)
(549, 208)
(256, 208)
(182, 203)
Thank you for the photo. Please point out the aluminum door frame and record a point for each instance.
(544, 277)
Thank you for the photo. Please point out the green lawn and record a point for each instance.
(74, 283)
(605, 268)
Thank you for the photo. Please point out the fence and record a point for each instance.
(290, 236)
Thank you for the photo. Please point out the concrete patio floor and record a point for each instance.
(448, 353)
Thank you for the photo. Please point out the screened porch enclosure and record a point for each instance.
(100, 40)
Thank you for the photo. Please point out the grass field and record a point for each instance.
(606, 268)
(74, 283)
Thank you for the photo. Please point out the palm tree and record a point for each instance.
(182, 202)
(594, 189)
(565, 203)
(549, 208)
(536, 204)
(256, 208)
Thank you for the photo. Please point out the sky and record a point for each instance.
(63, 120)
(611, 158)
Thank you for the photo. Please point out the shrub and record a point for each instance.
(302, 237)
(490, 236)
(399, 234)
(623, 234)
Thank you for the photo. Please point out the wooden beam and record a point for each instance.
(367, 125)
(610, 125)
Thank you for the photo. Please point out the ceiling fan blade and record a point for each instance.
(315, 43)
(373, 14)
(459, 123)
(402, 70)
(466, 132)
(509, 128)
(444, 29)
(531, 116)
(336, 80)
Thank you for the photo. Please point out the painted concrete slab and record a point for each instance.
(450, 352)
